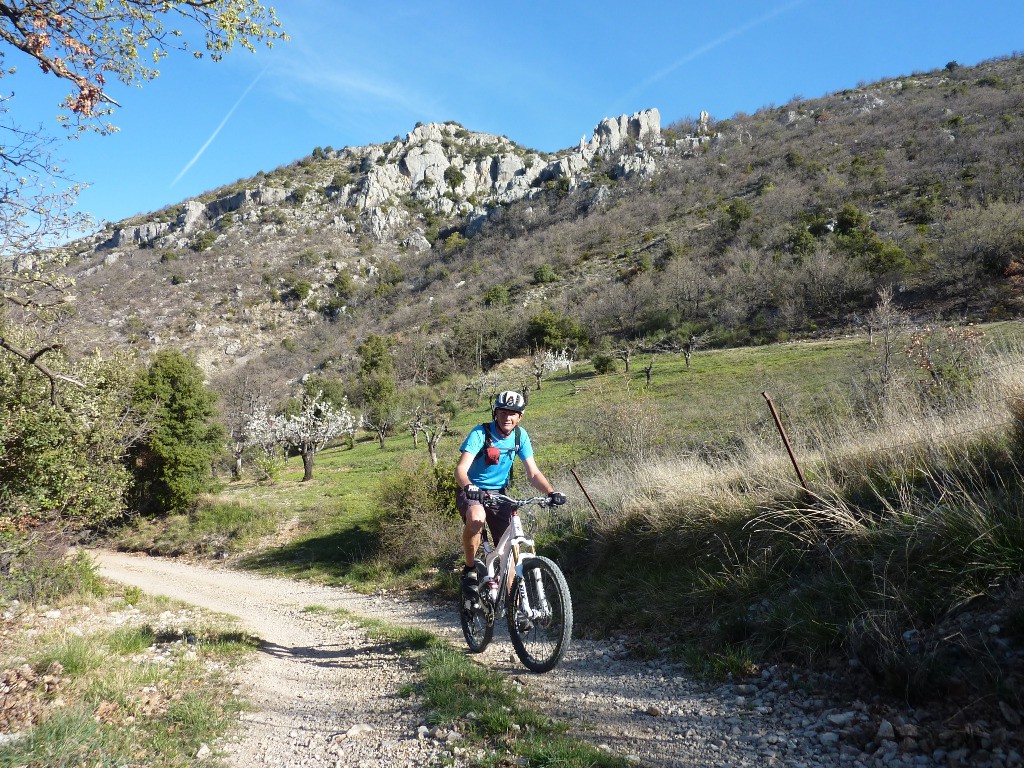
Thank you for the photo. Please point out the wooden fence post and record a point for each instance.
(785, 440)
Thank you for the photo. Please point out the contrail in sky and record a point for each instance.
(217, 130)
(724, 38)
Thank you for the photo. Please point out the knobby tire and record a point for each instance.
(478, 621)
(541, 643)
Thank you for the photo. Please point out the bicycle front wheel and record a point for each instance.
(477, 617)
(541, 626)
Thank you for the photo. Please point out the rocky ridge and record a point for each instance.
(231, 274)
(444, 167)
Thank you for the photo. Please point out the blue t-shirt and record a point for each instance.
(492, 477)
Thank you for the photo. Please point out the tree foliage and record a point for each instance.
(173, 465)
(309, 430)
(85, 42)
(63, 463)
(61, 455)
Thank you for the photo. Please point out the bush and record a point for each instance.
(172, 467)
(419, 525)
(551, 330)
(545, 273)
(453, 176)
(454, 242)
(341, 179)
(497, 296)
(64, 461)
(37, 571)
(203, 241)
(603, 363)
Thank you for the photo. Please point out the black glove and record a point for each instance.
(473, 493)
(557, 499)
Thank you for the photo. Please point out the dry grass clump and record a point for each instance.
(912, 512)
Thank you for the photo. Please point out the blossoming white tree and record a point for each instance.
(312, 428)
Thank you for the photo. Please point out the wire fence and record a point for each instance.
(905, 417)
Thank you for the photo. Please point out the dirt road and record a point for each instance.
(325, 695)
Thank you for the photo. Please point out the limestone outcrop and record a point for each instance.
(441, 168)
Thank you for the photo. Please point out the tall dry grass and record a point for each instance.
(913, 510)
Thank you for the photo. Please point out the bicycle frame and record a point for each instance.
(537, 604)
(500, 560)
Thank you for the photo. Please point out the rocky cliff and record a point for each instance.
(234, 272)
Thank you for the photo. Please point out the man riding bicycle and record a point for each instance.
(485, 465)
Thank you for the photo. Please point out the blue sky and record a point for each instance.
(542, 73)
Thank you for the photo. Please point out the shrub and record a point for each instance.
(301, 289)
(551, 330)
(203, 241)
(341, 179)
(172, 466)
(736, 213)
(545, 273)
(603, 363)
(497, 296)
(36, 570)
(454, 177)
(419, 524)
(64, 460)
(454, 242)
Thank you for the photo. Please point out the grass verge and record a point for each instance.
(154, 690)
(483, 706)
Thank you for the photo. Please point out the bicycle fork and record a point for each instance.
(543, 608)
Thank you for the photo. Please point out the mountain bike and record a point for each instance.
(538, 604)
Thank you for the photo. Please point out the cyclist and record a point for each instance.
(488, 453)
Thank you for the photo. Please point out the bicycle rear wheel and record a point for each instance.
(477, 618)
(540, 636)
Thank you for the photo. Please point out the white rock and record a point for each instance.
(360, 729)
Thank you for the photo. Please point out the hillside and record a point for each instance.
(755, 228)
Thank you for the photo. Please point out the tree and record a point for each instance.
(62, 464)
(309, 430)
(888, 321)
(550, 330)
(436, 424)
(626, 348)
(83, 42)
(33, 214)
(246, 403)
(381, 409)
(695, 342)
(430, 413)
(544, 360)
(173, 464)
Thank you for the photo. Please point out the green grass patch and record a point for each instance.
(482, 704)
(216, 527)
(120, 707)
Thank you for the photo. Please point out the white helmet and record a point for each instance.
(509, 401)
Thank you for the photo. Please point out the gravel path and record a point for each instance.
(328, 696)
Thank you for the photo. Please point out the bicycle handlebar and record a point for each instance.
(542, 501)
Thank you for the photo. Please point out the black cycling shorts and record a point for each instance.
(499, 514)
